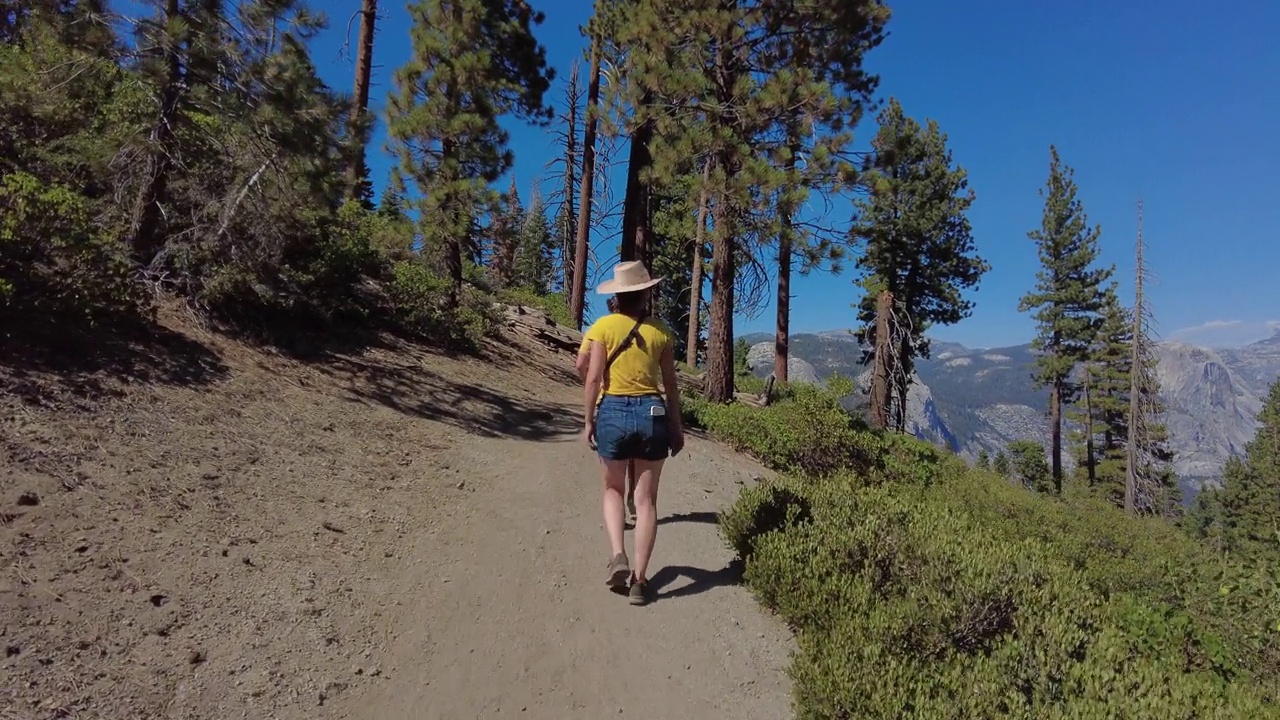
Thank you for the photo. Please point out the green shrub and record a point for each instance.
(760, 510)
(53, 264)
(908, 603)
(805, 430)
(418, 304)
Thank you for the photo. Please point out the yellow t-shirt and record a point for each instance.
(637, 370)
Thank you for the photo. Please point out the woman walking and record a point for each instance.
(631, 416)
(580, 364)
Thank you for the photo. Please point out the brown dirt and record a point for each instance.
(190, 528)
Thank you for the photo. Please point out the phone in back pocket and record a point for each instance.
(657, 411)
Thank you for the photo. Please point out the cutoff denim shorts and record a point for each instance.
(626, 429)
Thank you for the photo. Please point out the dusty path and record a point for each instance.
(504, 611)
(191, 529)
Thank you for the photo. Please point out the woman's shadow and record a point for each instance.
(700, 580)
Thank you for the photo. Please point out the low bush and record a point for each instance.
(805, 430)
(419, 308)
(907, 604)
(54, 265)
(920, 588)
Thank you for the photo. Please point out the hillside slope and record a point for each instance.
(195, 529)
(982, 399)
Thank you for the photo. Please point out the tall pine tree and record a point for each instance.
(716, 84)
(1068, 297)
(1248, 505)
(473, 61)
(917, 244)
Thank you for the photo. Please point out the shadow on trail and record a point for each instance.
(700, 580)
(39, 366)
(419, 392)
(705, 518)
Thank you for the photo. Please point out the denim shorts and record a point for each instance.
(626, 429)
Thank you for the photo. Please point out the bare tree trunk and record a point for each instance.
(636, 233)
(148, 216)
(695, 287)
(718, 386)
(719, 380)
(1135, 387)
(1091, 463)
(1055, 431)
(902, 380)
(881, 359)
(583, 240)
(357, 170)
(570, 181)
(453, 245)
(782, 340)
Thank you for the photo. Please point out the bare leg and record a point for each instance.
(650, 472)
(631, 489)
(615, 473)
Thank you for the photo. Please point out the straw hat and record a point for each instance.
(628, 276)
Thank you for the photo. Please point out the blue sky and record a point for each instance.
(1174, 102)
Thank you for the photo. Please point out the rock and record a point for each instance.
(760, 360)
(28, 499)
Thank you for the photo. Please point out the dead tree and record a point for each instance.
(882, 367)
(695, 287)
(357, 170)
(583, 239)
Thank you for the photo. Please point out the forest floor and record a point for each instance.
(192, 528)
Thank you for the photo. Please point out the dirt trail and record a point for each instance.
(505, 611)
(192, 529)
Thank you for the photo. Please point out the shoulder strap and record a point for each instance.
(626, 342)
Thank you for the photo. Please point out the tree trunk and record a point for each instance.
(357, 170)
(782, 341)
(902, 380)
(881, 357)
(636, 233)
(695, 287)
(570, 182)
(453, 244)
(1091, 463)
(719, 375)
(1135, 387)
(148, 216)
(1055, 431)
(583, 239)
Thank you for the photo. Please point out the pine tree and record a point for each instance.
(534, 266)
(1104, 380)
(720, 90)
(473, 62)
(1000, 464)
(984, 460)
(1068, 297)
(504, 237)
(1250, 495)
(917, 245)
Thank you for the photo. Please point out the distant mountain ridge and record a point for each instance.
(983, 399)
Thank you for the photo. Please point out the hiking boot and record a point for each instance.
(639, 594)
(631, 507)
(619, 572)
